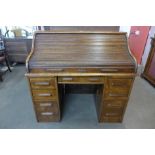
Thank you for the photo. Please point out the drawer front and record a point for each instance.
(47, 116)
(118, 88)
(86, 70)
(117, 94)
(44, 94)
(114, 104)
(112, 112)
(117, 83)
(111, 119)
(42, 83)
(72, 79)
(47, 106)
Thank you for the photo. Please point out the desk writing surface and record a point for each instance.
(72, 49)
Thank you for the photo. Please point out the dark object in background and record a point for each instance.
(3, 56)
(18, 49)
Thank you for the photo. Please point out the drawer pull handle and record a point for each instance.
(67, 78)
(111, 114)
(47, 113)
(45, 94)
(93, 79)
(119, 95)
(82, 70)
(42, 83)
(45, 104)
(55, 69)
(109, 70)
(114, 105)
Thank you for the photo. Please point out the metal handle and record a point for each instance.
(42, 83)
(47, 113)
(117, 95)
(111, 114)
(114, 105)
(67, 78)
(45, 94)
(55, 69)
(45, 104)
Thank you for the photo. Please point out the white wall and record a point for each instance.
(125, 29)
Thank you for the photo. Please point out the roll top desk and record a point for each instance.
(100, 58)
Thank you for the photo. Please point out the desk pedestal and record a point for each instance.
(111, 97)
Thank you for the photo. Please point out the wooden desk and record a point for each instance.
(99, 58)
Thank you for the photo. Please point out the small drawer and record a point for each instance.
(47, 116)
(44, 94)
(92, 79)
(111, 119)
(72, 79)
(43, 83)
(117, 94)
(47, 106)
(114, 104)
(116, 83)
(112, 112)
(68, 79)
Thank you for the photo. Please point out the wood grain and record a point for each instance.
(80, 49)
(97, 58)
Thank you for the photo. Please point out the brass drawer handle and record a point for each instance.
(94, 79)
(44, 94)
(117, 95)
(42, 83)
(111, 114)
(109, 70)
(67, 78)
(45, 104)
(55, 69)
(47, 113)
(114, 105)
(82, 70)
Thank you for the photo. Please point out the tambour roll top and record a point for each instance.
(80, 49)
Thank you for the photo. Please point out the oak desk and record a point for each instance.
(99, 58)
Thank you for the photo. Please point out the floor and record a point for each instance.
(16, 109)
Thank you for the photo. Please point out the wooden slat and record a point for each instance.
(88, 48)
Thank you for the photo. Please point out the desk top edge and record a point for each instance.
(72, 32)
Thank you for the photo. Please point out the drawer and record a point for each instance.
(47, 106)
(119, 83)
(117, 94)
(111, 119)
(128, 69)
(43, 83)
(118, 87)
(44, 94)
(73, 79)
(114, 104)
(112, 112)
(47, 116)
